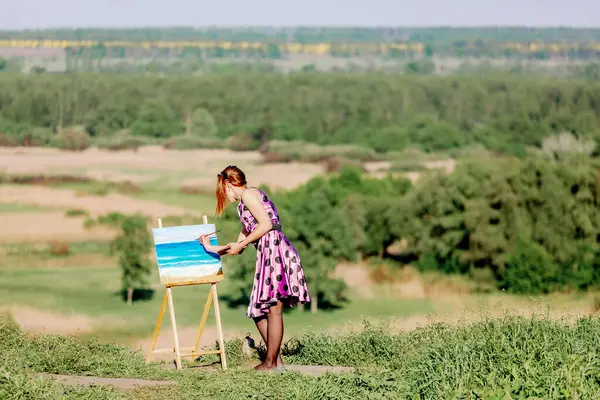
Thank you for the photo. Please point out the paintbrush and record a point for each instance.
(208, 234)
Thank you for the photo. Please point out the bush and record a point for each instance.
(273, 157)
(6, 141)
(194, 142)
(75, 212)
(123, 142)
(336, 164)
(59, 248)
(74, 139)
(242, 142)
(196, 190)
(128, 187)
(308, 152)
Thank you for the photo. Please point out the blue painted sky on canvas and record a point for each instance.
(18, 14)
(181, 233)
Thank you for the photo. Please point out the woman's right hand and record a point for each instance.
(205, 241)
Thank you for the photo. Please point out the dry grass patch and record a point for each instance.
(94, 205)
(41, 321)
(45, 227)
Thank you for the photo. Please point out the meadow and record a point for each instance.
(397, 331)
(449, 228)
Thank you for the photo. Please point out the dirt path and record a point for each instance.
(119, 383)
(130, 384)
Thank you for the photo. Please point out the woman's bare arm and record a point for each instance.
(243, 235)
(253, 202)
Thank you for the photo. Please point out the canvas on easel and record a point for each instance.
(183, 261)
(181, 257)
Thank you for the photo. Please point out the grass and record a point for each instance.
(506, 358)
(96, 292)
(20, 208)
(195, 203)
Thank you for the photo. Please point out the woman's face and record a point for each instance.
(230, 194)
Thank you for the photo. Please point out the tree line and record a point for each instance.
(377, 111)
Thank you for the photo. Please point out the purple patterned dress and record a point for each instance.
(279, 274)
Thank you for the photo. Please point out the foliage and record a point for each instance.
(203, 123)
(74, 139)
(185, 142)
(327, 220)
(536, 223)
(156, 119)
(363, 115)
(133, 244)
(566, 145)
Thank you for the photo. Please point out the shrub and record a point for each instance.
(75, 212)
(6, 141)
(309, 152)
(123, 142)
(74, 139)
(194, 142)
(530, 269)
(201, 123)
(275, 157)
(196, 190)
(59, 248)
(242, 142)
(128, 187)
(407, 166)
(46, 179)
(567, 145)
(89, 223)
(336, 164)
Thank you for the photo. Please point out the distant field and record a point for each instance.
(152, 180)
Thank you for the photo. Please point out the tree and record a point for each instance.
(155, 119)
(133, 244)
(322, 234)
(201, 123)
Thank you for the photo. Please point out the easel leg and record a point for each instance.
(213, 288)
(161, 314)
(203, 320)
(174, 325)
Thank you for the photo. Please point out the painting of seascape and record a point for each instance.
(180, 256)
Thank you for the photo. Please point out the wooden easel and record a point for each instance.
(168, 299)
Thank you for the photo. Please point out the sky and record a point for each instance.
(32, 14)
(178, 234)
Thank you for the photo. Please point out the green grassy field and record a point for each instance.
(95, 292)
(507, 358)
(17, 208)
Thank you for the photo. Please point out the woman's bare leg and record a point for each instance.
(274, 334)
(262, 326)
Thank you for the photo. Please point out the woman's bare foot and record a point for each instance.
(265, 367)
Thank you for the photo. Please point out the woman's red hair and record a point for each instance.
(233, 175)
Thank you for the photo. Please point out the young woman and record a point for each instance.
(279, 278)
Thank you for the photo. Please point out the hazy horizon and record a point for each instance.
(126, 14)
